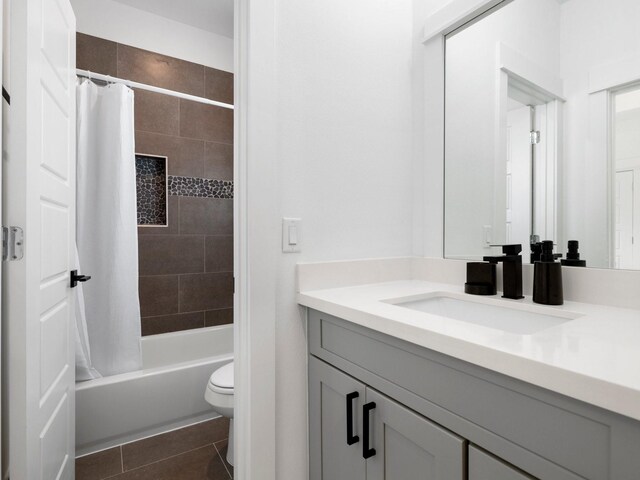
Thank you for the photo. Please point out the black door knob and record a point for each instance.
(75, 278)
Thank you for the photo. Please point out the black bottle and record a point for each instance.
(547, 277)
(573, 256)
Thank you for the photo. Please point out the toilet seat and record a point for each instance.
(219, 391)
(221, 381)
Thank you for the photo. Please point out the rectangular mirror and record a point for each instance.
(542, 130)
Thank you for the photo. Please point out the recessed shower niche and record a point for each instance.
(151, 190)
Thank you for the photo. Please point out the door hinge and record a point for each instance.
(12, 243)
(535, 137)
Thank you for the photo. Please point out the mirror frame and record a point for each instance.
(604, 82)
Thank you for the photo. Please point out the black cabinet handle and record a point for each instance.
(351, 438)
(366, 451)
(75, 278)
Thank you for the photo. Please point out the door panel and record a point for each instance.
(410, 447)
(331, 456)
(624, 220)
(41, 175)
(483, 466)
(518, 180)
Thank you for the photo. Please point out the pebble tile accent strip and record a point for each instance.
(200, 187)
(151, 186)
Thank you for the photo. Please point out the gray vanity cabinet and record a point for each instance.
(410, 447)
(483, 466)
(335, 454)
(437, 417)
(398, 443)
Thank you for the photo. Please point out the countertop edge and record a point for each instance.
(594, 391)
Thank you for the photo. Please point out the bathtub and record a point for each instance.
(166, 394)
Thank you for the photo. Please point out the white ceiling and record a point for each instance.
(211, 15)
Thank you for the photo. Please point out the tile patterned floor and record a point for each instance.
(197, 452)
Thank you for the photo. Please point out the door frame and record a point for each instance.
(4, 447)
(256, 239)
(605, 82)
(540, 88)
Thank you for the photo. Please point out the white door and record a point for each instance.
(624, 220)
(3, 111)
(39, 194)
(518, 180)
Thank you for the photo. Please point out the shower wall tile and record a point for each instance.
(172, 227)
(96, 54)
(172, 323)
(213, 318)
(207, 291)
(185, 155)
(206, 122)
(218, 161)
(206, 216)
(219, 253)
(157, 113)
(158, 295)
(160, 70)
(218, 85)
(200, 187)
(151, 190)
(185, 268)
(170, 254)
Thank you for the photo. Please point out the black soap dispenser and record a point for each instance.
(573, 256)
(547, 277)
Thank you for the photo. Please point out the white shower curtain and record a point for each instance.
(84, 368)
(107, 236)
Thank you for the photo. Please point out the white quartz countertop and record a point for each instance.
(594, 357)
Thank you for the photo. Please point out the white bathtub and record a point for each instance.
(167, 394)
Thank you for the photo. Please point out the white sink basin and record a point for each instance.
(497, 314)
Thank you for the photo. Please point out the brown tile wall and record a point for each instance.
(186, 268)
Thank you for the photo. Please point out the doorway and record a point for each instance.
(626, 166)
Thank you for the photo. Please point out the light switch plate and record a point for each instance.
(487, 235)
(291, 235)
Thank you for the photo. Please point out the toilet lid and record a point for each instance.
(223, 377)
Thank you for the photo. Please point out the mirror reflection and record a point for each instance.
(542, 130)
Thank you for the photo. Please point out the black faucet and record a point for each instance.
(511, 271)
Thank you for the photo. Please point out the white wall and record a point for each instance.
(124, 24)
(344, 146)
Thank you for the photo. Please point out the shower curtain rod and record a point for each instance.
(142, 86)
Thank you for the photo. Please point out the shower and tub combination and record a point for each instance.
(130, 386)
(166, 393)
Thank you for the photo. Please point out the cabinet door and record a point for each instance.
(335, 414)
(408, 446)
(483, 466)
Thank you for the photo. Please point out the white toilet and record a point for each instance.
(219, 393)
